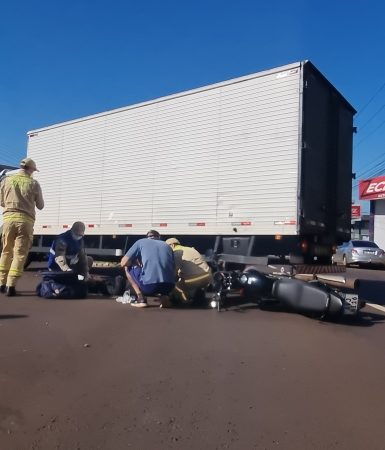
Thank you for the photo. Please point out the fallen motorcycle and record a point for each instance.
(314, 297)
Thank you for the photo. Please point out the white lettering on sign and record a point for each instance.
(376, 187)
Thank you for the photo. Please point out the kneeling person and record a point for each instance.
(67, 252)
(150, 268)
(193, 273)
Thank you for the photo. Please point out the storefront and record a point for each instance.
(373, 190)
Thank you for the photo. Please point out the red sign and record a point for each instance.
(356, 211)
(372, 189)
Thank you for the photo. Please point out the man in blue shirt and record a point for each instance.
(150, 268)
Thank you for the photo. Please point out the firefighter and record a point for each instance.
(193, 272)
(20, 194)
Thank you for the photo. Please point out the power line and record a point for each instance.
(8, 160)
(376, 171)
(370, 134)
(370, 100)
(373, 116)
(374, 161)
(380, 171)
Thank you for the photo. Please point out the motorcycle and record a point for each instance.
(314, 297)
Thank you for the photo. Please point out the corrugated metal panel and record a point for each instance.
(278, 70)
(222, 157)
(259, 171)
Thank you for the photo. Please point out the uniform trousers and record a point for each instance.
(17, 241)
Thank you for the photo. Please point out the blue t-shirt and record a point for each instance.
(157, 259)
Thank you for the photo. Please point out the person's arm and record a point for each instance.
(39, 197)
(125, 261)
(83, 263)
(130, 256)
(60, 255)
(178, 262)
(2, 204)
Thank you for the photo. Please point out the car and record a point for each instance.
(359, 252)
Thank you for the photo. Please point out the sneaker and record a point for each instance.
(11, 291)
(139, 304)
(3, 288)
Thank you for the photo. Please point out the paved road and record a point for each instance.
(94, 374)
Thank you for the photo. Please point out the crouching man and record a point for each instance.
(67, 252)
(194, 274)
(150, 269)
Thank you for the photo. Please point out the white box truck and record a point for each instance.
(254, 166)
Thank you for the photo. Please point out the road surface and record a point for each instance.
(95, 374)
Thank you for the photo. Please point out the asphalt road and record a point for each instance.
(95, 374)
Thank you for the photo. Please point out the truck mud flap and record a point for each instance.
(307, 298)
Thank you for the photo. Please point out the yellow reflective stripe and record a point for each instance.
(182, 293)
(19, 175)
(199, 277)
(3, 268)
(24, 180)
(15, 272)
(17, 217)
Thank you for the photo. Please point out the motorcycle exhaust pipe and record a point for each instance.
(331, 280)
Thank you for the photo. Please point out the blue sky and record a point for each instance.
(63, 60)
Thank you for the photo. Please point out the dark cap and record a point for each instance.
(153, 234)
(78, 228)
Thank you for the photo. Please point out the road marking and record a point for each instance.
(373, 305)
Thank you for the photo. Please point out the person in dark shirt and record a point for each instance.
(67, 252)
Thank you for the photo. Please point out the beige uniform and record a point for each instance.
(19, 195)
(193, 272)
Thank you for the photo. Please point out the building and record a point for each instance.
(373, 189)
(360, 228)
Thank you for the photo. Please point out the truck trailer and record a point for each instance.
(256, 168)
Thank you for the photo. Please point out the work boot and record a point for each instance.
(165, 301)
(3, 288)
(11, 291)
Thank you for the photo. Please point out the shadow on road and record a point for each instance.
(12, 316)
(364, 319)
(372, 291)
